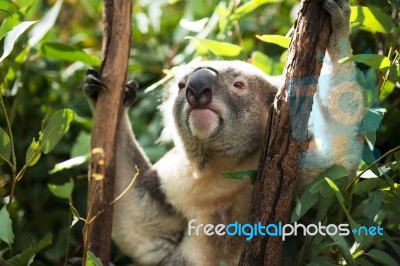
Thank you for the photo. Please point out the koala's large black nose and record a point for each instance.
(198, 90)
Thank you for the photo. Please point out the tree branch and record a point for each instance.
(286, 134)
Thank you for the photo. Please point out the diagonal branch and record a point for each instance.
(286, 135)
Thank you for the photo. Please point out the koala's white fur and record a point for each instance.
(226, 135)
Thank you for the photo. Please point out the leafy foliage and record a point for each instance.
(45, 47)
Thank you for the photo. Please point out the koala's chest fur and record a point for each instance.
(204, 195)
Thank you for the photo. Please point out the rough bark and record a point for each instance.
(286, 136)
(108, 110)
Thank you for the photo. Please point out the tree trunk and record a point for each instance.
(286, 135)
(108, 110)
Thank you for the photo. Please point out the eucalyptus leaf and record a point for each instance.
(12, 36)
(382, 257)
(375, 61)
(6, 233)
(218, 48)
(26, 257)
(280, 40)
(92, 260)
(68, 53)
(250, 6)
(62, 191)
(45, 24)
(33, 153)
(371, 19)
(375, 199)
(5, 147)
(56, 127)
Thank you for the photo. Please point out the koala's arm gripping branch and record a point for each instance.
(286, 136)
(107, 113)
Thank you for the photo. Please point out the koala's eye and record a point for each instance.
(181, 85)
(238, 85)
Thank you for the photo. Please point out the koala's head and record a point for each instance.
(221, 108)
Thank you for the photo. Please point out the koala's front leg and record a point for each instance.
(339, 107)
(145, 226)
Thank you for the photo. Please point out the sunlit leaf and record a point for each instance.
(250, 6)
(6, 233)
(371, 19)
(373, 60)
(218, 48)
(92, 260)
(45, 24)
(8, 23)
(33, 153)
(55, 128)
(12, 36)
(5, 147)
(266, 63)
(63, 191)
(280, 40)
(68, 53)
(70, 163)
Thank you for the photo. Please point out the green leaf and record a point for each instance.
(75, 215)
(26, 257)
(92, 260)
(70, 163)
(375, 61)
(280, 40)
(341, 200)
(33, 153)
(250, 6)
(382, 257)
(368, 185)
(55, 129)
(45, 24)
(266, 63)
(62, 191)
(68, 53)
(371, 19)
(375, 199)
(241, 175)
(218, 48)
(8, 23)
(12, 36)
(303, 204)
(344, 248)
(5, 147)
(6, 233)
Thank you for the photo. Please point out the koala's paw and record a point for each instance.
(93, 85)
(340, 15)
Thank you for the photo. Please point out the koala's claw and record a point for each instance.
(93, 85)
(130, 92)
(339, 11)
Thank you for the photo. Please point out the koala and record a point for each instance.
(216, 115)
